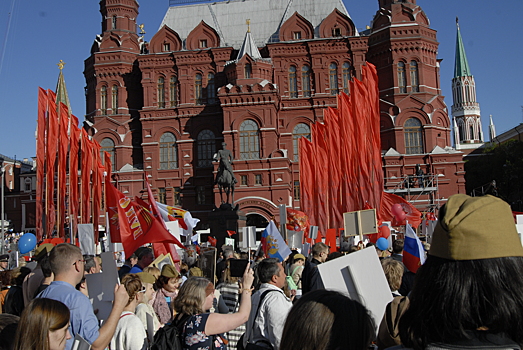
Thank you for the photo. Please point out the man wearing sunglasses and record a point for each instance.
(67, 264)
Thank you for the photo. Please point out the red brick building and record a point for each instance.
(206, 77)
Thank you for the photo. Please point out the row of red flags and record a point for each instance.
(341, 167)
(59, 143)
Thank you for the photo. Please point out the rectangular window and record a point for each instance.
(177, 197)
(28, 187)
(203, 43)
(296, 35)
(162, 195)
(257, 179)
(200, 194)
(296, 190)
(243, 179)
(166, 47)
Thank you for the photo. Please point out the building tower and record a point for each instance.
(465, 109)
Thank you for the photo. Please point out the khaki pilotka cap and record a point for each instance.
(473, 228)
(146, 277)
(169, 271)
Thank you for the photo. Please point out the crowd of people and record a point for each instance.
(467, 295)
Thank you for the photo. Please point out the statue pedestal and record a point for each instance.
(226, 218)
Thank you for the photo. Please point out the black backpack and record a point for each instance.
(169, 337)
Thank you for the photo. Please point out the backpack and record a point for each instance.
(169, 337)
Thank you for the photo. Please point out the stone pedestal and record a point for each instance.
(226, 218)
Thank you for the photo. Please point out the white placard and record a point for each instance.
(361, 222)
(229, 241)
(86, 238)
(248, 237)
(174, 229)
(110, 275)
(150, 327)
(295, 239)
(361, 276)
(97, 288)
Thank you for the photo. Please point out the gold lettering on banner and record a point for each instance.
(132, 218)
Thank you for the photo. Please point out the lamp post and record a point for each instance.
(2, 170)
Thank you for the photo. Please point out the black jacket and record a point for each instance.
(310, 278)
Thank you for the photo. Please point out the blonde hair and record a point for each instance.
(393, 272)
(133, 284)
(153, 270)
(191, 296)
(63, 256)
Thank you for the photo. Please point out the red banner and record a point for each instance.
(87, 160)
(52, 143)
(307, 180)
(63, 147)
(73, 174)
(40, 162)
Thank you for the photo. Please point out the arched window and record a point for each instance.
(206, 148)
(461, 129)
(249, 140)
(306, 81)
(333, 78)
(300, 130)
(414, 78)
(161, 92)
(248, 71)
(103, 99)
(345, 74)
(198, 89)
(173, 91)
(115, 99)
(168, 152)
(402, 78)
(413, 136)
(211, 89)
(107, 145)
(293, 84)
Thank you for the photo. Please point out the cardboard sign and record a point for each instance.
(163, 260)
(361, 277)
(110, 274)
(97, 288)
(295, 239)
(207, 262)
(359, 223)
(248, 237)
(229, 241)
(86, 238)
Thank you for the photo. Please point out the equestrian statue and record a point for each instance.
(225, 176)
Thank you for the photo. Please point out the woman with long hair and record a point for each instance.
(468, 294)
(44, 325)
(167, 289)
(201, 329)
(327, 320)
(130, 332)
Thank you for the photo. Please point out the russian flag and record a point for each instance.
(273, 244)
(413, 252)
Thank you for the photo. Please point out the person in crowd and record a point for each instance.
(145, 258)
(296, 270)
(4, 262)
(45, 267)
(334, 255)
(202, 330)
(130, 332)
(270, 306)
(44, 325)
(67, 264)
(231, 292)
(92, 265)
(167, 289)
(127, 266)
(82, 287)
(34, 280)
(228, 253)
(467, 295)
(327, 320)
(153, 270)
(407, 280)
(311, 279)
(195, 271)
(14, 299)
(8, 326)
(144, 308)
(184, 271)
(5, 284)
(393, 270)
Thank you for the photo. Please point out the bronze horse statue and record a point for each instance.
(225, 177)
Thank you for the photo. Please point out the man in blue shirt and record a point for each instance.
(67, 264)
(145, 258)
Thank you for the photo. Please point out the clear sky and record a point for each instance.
(35, 35)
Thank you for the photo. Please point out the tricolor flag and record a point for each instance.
(184, 217)
(273, 244)
(413, 252)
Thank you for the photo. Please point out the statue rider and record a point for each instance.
(225, 175)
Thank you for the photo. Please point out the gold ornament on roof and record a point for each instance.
(61, 65)
(141, 26)
(248, 22)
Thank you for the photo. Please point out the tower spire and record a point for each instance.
(461, 64)
(61, 90)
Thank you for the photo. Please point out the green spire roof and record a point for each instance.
(61, 90)
(461, 65)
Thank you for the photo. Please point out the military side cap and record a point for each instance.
(169, 271)
(4, 258)
(146, 277)
(473, 228)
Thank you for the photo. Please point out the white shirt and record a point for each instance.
(271, 317)
(129, 334)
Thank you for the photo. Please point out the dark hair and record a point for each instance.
(334, 255)
(397, 246)
(45, 265)
(18, 275)
(339, 323)
(39, 318)
(319, 248)
(452, 297)
(142, 251)
(5, 278)
(8, 326)
(267, 268)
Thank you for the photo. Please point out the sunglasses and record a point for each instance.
(143, 290)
